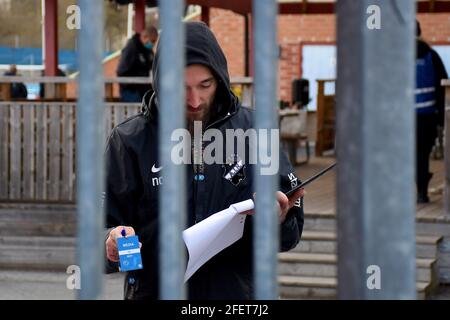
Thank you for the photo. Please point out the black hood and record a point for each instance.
(201, 47)
(422, 48)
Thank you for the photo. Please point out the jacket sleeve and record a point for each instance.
(291, 229)
(121, 187)
(441, 73)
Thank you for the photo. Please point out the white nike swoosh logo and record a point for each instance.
(155, 170)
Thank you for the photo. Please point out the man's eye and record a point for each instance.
(206, 84)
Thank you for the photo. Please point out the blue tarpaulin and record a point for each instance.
(33, 56)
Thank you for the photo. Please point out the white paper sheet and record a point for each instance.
(210, 236)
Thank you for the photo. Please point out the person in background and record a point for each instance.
(430, 100)
(136, 61)
(18, 89)
(59, 73)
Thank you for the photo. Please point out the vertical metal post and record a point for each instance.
(90, 135)
(172, 212)
(89, 150)
(446, 84)
(265, 242)
(375, 149)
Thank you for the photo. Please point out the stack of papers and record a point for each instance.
(210, 236)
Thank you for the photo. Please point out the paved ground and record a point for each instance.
(22, 285)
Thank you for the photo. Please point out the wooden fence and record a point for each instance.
(38, 148)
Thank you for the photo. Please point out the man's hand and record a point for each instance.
(111, 243)
(283, 202)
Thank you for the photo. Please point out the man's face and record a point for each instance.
(148, 38)
(200, 90)
(144, 38)
(153, 38)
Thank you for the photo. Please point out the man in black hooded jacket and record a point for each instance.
(133, 182)
(136, 60)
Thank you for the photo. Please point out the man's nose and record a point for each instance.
(193, 99)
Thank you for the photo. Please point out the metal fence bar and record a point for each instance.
(446, 84)
(90, 128)
(172, 211)
(375, 149)
(265, 241)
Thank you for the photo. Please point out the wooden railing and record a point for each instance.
(38, 138)
(65, 88)
(38, 148)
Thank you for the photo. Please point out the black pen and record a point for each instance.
(311, 179)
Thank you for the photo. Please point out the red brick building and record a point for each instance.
(295, 30)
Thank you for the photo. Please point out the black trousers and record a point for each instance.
(426, 133)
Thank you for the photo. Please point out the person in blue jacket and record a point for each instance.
(430, 108)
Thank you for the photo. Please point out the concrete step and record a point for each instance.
(325, 221)
(325, 242)
(301, 275)
(33, 241)
(30, 219)
(299, 287)
(51, 285)
(37, 253)
(325, 265)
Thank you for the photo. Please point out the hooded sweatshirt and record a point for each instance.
(135, 61)
(132, 186)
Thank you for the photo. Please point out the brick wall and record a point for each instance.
(292, 30)
(435, 27)
(229, 29)
(295, 29)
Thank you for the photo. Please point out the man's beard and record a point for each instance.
(204, 119)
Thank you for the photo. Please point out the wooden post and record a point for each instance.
(325, 119)
(109, 91)
(139, 15)
(5, 91)
(55, 91)
(205, 14)
(15, 151)
(4, 152)
(51, 37)
(320, 112)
